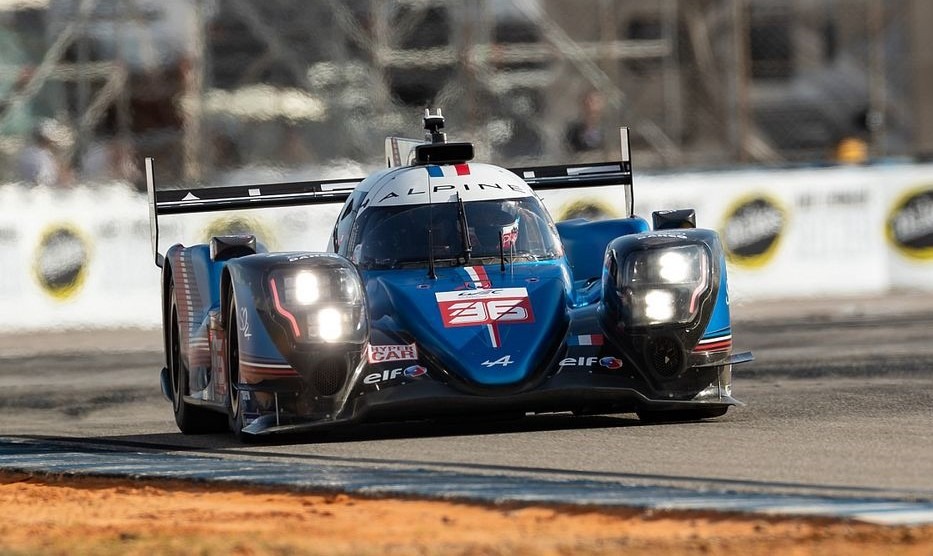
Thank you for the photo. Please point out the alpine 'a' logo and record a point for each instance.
(485, 307)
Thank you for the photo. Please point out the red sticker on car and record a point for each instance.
(482, 307)
(383, 354)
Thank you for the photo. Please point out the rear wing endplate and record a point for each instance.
(240, 197)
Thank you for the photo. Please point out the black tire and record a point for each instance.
(234, 403)
(190, 419)
(682, 415)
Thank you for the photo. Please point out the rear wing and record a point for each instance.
(240, 197)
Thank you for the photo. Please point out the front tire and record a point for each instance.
(235, 403)
(190, 419)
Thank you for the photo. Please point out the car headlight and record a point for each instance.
(684, 264)
(320, 304)
(664, 285)
(304, 287)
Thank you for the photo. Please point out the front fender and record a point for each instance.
(271, 333)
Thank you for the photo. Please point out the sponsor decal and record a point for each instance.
(61, 261)
(414, 371)
(479, 307)
(419, 194)
(671, 235)
(505, 361)
(307, 256)
(510, 235)
(752, 230)
(244, 323)
(578, 361)
(383, 376)
(611, 362)
(586, 340)
(485, 307)
(909, 226)
(386, 353)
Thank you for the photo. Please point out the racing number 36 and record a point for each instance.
(479, 307)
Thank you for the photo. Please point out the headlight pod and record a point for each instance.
(322, 304)
(664, 284)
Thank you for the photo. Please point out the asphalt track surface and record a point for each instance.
(839, 403)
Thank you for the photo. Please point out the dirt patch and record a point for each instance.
(67, 515)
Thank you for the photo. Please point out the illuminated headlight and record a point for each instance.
(304, 288)
(664, 285)
(673, 265)
(320, 304)
(659, 305)
(330, 324)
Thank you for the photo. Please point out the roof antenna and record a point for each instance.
(433, 124)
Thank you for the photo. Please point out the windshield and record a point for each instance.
(397, 236)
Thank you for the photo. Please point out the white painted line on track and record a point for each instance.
(74, 459)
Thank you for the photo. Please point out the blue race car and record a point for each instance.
(447, 291)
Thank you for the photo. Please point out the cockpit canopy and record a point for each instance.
(388, 237)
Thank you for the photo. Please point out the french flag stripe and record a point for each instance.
(478, 276)
(715, 340)
(721, 343)
(587, 340)
(435, 171)
(493, 335)
(462, 169)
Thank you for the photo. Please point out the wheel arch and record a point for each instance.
(227, 296)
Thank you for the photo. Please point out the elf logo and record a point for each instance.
(578, 361)
(611, 363)
(386, 375)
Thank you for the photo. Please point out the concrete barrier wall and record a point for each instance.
(82, 257)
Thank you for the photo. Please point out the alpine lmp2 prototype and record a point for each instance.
(447, 290)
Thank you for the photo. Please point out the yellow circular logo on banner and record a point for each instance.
(61, 261)
(240, 225)
(909, 227)
(752, 230)
(590, 209)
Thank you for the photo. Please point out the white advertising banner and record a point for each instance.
(82, 257)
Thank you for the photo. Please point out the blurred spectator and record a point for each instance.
(224, 153)
(39, 163)
(586, 133)
(295, 150)
(112, 159)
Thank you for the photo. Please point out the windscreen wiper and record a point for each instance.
(465, 230)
